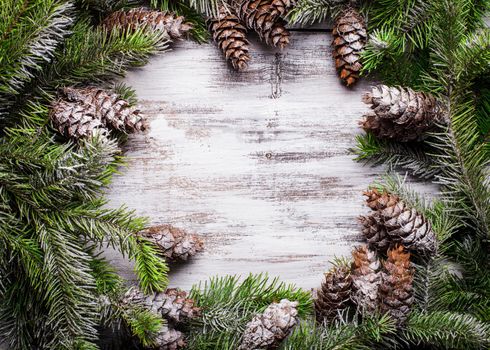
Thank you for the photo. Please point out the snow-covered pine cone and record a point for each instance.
(395, 293)
(400, 113)
(349, 39)
(169, 339)
(230, 35)
(334, 295)
(173, 304)
(395, 221)
(142, 18)
(267, 330)
(366, 278)
(173, 243)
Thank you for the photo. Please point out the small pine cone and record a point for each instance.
(377, 200)
(375, 232)
(141, 18)
(173, 243)
(267, 330)
(400, 113)
(395, 293)
(366, 278)
(172, 304)
(349, 38)
(230, 35)
(169, 339)
(263, 16)
(114, 112)
(334, 294)
(75, 120)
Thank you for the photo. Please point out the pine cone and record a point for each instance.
(365, 278)
(172, 304)
(399, 223)
(169, 339)
(400, 113)
(349, 38)
(334, 294)
(112, 111)
(267, 330)
(141, 18)
(75, 120)
(375, 234)
(263, 16)
(395, 293)
(173, 243)
(230, 35)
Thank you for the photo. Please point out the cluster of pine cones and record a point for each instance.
(380, 276)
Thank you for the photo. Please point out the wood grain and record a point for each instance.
(258, 163)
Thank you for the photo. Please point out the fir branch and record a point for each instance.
(30, 34)
(446, 330)
(150, 268)
(312, 11)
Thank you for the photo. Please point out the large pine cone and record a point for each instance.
(395, 221)
(75, 120)
(263, 16)
(230, 35)
(169, 339)
(172, 304)
(114, 112)
(366, 278)
(400, 113)
(334, 295)
(395, 293)
(141, 18)
(267, 330)
(173, 243)
(349, 38)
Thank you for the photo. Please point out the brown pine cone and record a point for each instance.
(366, 278)
(114, 112)
(173, 243)
(349, 39)
(395, 293)
(334, 294)
(142, 18)
(263, 16)
(172, 304)
(267, 330)
(375, 233)
(75, 120)
(400, 113)
(230, 35)
(169, 339)
(395, 221)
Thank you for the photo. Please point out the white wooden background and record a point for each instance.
(257, 163)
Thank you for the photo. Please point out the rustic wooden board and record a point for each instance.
(258, 163)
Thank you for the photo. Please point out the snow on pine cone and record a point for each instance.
(395, 293)
(168, 338)
(263, 16)
(142, 18)
(349, 38)
(173, 243)
(400, 113)
(366, 278)
(267, 330)
(230, 35)
(393, 220)
(75, 120)
(334, 295)
(173, 304)
(106, 107)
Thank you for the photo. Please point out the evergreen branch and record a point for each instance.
(28, 40)
(446, 330)
(150, 268)
(412, 157)
(207, 7)
(312, 11)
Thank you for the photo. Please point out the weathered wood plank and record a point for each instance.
(256, 162)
